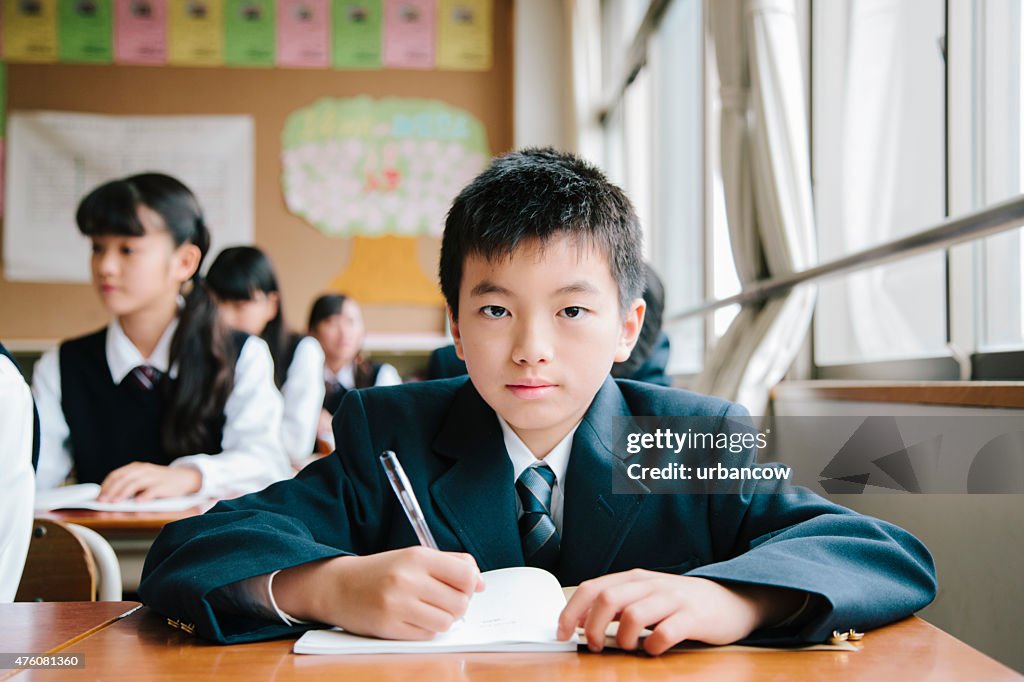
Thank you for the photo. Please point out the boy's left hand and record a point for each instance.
(675, 607)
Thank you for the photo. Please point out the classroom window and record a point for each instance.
(878, 148)
(892, 153)
(997, 169)
(654, 141)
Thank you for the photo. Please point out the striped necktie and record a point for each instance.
(146, 377)
(536, 527)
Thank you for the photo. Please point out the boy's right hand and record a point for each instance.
(412, 593)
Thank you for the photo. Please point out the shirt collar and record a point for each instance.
(522, 458)
(123, 356)
(345, 377)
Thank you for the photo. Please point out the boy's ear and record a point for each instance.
(631, 326)
(456, 334)
(275, 299)
(185, 261)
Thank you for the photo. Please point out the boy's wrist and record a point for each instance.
(773, 605)
(299, 591)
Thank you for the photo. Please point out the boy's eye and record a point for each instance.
(96, 248)
(573, 312)
(127, 250)
(494, 311)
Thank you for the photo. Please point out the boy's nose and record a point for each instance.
(533, 345)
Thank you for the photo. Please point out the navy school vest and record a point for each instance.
(115, 424)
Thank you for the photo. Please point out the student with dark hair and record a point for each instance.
(17, 446)
(649, 358)
(336, 321)
(163, 401)
(541, 270)
(243, 282)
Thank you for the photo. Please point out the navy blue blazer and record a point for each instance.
(866, 571)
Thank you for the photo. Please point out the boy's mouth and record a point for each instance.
(531, 390)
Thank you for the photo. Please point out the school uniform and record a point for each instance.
(303, 395)
(865, 572)
(98, 413)
(337, 384)
(16, 480)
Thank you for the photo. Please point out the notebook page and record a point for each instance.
(518, 611)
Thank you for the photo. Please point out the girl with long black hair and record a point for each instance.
(163, 401)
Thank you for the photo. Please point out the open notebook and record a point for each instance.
(517, 612)
(83, 496)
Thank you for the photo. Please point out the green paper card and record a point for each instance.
(85, 30)
(357, 34)
(249, 32)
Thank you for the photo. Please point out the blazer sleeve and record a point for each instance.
(862, 572)
(331, 508)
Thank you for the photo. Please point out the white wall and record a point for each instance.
(541, 78)
(977, 541)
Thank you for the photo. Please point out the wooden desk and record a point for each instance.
(48, 627)
(143, 646)
(130, 534)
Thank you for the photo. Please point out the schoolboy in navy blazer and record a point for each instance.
(865, 572)
(539, 323)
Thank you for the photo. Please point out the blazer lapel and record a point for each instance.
(475, 496)
(595, 522)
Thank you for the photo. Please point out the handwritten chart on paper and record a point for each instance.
(55, 158)
(383, 172)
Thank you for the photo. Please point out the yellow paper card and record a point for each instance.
(30, 30)
(195, 32)
(464, 34)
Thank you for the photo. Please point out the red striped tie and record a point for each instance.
(146, 377)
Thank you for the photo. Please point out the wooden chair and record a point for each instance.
(59, 566)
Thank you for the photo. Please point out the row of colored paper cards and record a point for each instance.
(346, 34)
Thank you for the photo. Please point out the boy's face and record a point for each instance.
(539, 333)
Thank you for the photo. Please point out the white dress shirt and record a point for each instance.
(558, 461)
(303, 393)
(386, 376)
(15, 477)
(252, 456)
(256, 595)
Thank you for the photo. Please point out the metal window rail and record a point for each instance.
(983, 223)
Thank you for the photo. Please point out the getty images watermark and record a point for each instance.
(830, 455)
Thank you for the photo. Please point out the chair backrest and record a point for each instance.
(108, 568)
(59, 566)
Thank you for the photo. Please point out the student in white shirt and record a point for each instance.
(336, 321)
(15, 475)
(163, 401)
(243, 282)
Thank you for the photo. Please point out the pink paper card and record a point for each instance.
(409, 33)
(303, 33)
(140, 32)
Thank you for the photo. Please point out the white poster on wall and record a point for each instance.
(54, 159)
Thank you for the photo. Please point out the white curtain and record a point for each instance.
(765, 165)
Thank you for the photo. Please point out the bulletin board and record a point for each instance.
(307, 260)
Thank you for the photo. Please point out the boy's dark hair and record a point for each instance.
(236, 274)
(540, 194)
